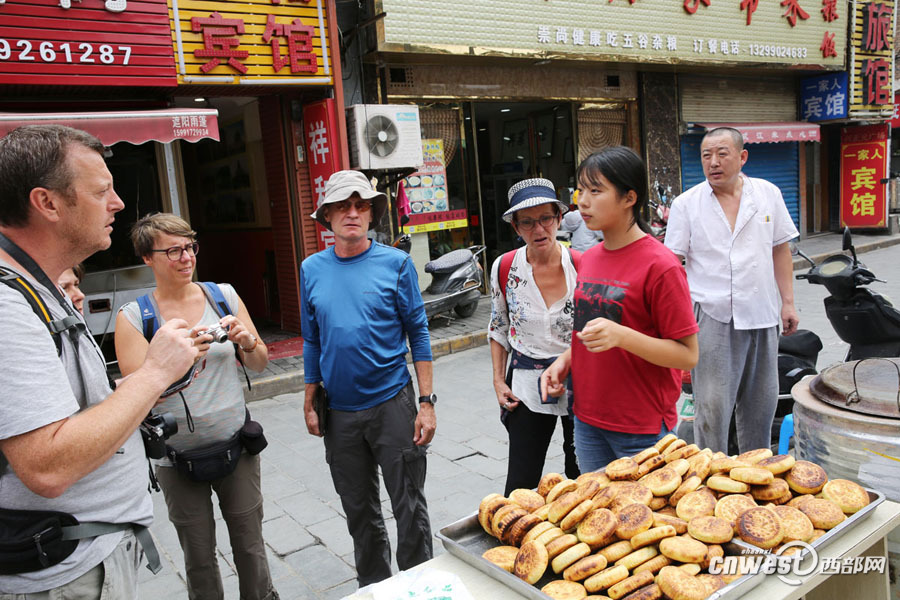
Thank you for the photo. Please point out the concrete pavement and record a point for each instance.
(310, 552)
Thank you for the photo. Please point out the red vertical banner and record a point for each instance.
(864, 154)
(323, 155)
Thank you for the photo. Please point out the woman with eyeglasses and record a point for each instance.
(531, 320)
(215, 400)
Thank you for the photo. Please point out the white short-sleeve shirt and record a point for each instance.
(731, 273)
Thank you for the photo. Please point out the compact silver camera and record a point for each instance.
(218, 332)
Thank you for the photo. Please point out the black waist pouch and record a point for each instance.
(209, 462)
(252, 436)
(32, 540)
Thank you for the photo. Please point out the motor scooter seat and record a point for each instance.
(802, 343)
(449, 262)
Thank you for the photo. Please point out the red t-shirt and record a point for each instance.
(644, 287)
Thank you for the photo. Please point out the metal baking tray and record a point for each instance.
(466, 540)
(738, 546)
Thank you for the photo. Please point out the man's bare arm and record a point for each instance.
(51, 458)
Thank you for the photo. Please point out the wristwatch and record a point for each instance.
(432, 399)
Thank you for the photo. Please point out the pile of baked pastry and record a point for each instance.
(647, 526)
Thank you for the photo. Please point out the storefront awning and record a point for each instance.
(766, 133)
(135, 127)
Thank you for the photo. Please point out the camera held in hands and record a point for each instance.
(218, 332)
(155, 430)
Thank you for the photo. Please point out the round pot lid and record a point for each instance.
(870, 386)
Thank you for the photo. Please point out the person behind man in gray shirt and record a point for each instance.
(583, 238)
(70, 442)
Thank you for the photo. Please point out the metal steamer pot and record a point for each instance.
(847, 419)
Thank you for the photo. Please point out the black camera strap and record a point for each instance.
(22, 257)
(71, 323)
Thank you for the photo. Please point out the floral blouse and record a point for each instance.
(520, 320)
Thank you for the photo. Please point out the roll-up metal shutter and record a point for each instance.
(737, 100)
(777, 163)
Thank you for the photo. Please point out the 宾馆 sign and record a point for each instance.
(864, 154)
(257, 42)
(824, 97)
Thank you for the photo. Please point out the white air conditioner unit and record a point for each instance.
(384, 136)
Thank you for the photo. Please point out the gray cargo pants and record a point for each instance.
(737, 372)
(357, 443)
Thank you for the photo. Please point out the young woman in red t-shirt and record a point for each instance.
(634, 321)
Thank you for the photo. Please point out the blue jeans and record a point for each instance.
(596, 448)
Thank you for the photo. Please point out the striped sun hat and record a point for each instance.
(529, 193)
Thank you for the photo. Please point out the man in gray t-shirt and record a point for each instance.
(583, 239)
(70, 442)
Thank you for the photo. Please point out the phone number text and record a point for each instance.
(70, 52)
(778, 51)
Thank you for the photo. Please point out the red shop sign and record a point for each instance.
(437, 217)
(86, 42)
(864, 152)
(320, 139)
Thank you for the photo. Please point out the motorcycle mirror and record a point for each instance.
(847, 244)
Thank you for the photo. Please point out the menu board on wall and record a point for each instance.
(429, 199)
(427, 187)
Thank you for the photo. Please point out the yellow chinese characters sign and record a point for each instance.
(864, 154)
(872, 65)
(256, 42)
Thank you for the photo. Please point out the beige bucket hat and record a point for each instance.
(343, 184)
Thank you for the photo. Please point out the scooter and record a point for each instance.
(456, 280)
(659, 212)
(864, 319)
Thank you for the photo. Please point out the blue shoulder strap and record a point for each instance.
(148, 311)
(149, 321)
(216, 298)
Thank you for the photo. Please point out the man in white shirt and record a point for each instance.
(733, 232)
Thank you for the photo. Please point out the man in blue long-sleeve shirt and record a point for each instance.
(360, 300)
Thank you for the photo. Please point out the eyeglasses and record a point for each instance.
(528, 224)
(361, 205)
(175, 252)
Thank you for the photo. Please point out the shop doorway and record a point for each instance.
(229, 207)
(517, 141)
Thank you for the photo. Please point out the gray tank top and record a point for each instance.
(215, 398)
